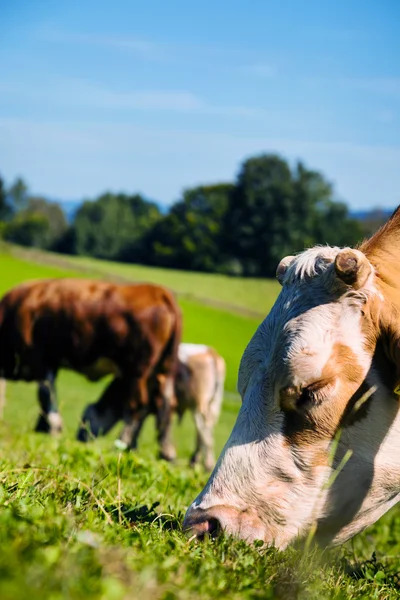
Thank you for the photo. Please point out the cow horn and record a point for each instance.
(352, 267)
(282, 268)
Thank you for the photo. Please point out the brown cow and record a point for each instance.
(95, 328)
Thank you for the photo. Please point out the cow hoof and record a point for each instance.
(84, 434)
(168, 456)
(55, 423)
(50, 423)
(42, 425)
(121, 445)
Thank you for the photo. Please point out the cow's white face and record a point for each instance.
(317, 439)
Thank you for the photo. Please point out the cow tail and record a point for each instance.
(169, 357)
(168, 363)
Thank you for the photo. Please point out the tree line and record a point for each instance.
(241, 228)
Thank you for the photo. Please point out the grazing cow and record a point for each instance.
(316, 445)
(95, 328)
(199, 387)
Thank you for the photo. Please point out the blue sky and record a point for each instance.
(157, 96)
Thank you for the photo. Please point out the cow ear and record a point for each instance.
(353, 267)
(282, 268)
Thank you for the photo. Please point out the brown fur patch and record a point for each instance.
(310, 422)
(383, 252)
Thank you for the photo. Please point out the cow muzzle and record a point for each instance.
(210, 522)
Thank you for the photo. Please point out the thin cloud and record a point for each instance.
(141, 47)
(84, 94)
(348, 35)
(184, 53)
(386, 116)
(157, 100)
(389, 86)
(385, 86)
(261, 70)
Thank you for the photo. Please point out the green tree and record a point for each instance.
(323, 219)
(190, 236)
(260, 225)
(275, 211)
(27, 230)
(5, 210)
(18, 195)
(54, 214)
(113, 226)
(40, 224)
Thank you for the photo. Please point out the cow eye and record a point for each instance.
(306, 398)
(303, 398)
(312, 395)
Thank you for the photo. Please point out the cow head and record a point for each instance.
(316, 445)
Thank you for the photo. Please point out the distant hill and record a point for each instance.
(364, 215)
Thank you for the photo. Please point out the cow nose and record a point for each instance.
(201, 525)
(244, 524)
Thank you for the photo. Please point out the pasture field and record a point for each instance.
(253, 297)
(89, 522)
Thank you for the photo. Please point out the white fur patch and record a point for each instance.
(55, 422)
(185, 351)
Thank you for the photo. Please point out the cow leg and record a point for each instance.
(49, 420)
(197, 452)
(135, 412)
(165, 404)
(131, 430)
(204, 429)
(98, 418)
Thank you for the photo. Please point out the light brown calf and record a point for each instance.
(199, 387)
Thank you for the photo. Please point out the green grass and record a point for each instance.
(14, 270)
(252, 295)
(82, 521)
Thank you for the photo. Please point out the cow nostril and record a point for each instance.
(203, 528)
(214, 527)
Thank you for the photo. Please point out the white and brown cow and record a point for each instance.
(199, 387)
(316, 444)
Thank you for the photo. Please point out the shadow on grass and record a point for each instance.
(372, 570)
(144, 515)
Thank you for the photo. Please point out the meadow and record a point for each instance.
(89, 522)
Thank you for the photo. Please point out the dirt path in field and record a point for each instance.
(61, 262)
